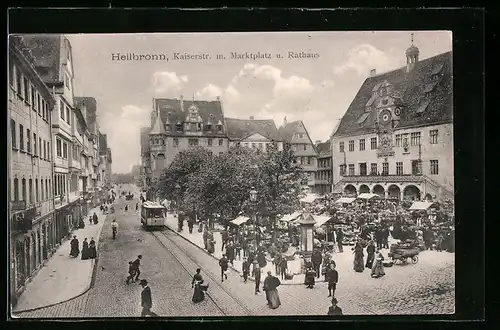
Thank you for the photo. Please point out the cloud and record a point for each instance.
(168, 82)
(209, 92)
(365, 57)
(123, 131)
(231, 94)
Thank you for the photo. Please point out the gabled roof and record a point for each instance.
(90, 105)
(157, 127)
(239, 129)
(170, 111)
(46, 50)
(411, 86)
(324, 148)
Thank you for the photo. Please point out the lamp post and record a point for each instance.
(253, 199)
(177, 194)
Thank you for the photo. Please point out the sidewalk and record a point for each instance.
(62, 278)
(197, 239)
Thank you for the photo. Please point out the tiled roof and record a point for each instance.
(286, 131)
(412, 88)
(238, 129)
(46, 50)
(103, 143)
(171, 113)
(324, 148)
(90, 104)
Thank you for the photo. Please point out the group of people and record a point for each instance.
(89, 250)
(374, 259)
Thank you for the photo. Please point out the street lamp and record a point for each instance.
(178, 192)
(253, 199)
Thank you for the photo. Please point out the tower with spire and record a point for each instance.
(411, 56)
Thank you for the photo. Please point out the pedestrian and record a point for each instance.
(358, 258)
(75, 247)
(370, 250)
(256, 272)
(237, 250)
(224, 264)
(225, 238)
(131, 272)
(276, 262)
(210, 242)
(90, 220)
(272, 296)
(230, 252)
(114, 228)
(146, 300)
(137, 264)
(85, 249)
(245, 268)
(316, 260)
(126, 208)
(205, 238)
(198, 294)
(261, 258)
(92, 249)
(95, 219)
(385, 238)
(340, 238)
(334, 309)
(332, 277)
(190, 225)
(283, 267)
(309, 279)
(378, 269)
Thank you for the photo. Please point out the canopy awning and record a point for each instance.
(240, 220)
(291, 217)
(321, 220)
(421, 205)
(367, 196)
(309, 198)
(345, 200)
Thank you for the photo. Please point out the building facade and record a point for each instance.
(33, 233)
(396, 138)
(296, 134)
(176, 125)
(323, 180)
(105, 161)
(251, 133)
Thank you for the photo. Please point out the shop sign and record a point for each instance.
(18, 205)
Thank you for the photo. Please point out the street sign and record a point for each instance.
(18, 205)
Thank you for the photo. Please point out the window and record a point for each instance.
(61, 110)
(351, 169)
(210, 142)
(66, 80)
(11, 74)
(415, 167)
(34, 145)
(385, 168)
(13, 133)
(26, 87)
(47, 189)
(179, 127)
(221, 142)
(341, 146)
(68, 115)
(399, 168)
(405, 141)
(373, 143)
(373, 168)
(65, 150)
(16, 189)
(40, 147)
(361, 144)
(342, 170)
(398, 140)
(37, 196)
(433, 135)
(38, 104)
(362, 169)
(193, 127)
(41, 190)
(176, 142)
(351, 145)
(434, 167)
(193, 142)
(59, 148)
(28, 140)
(21, 137)
(301, 135)
(50, 186)
(33, 97)
(30, 191)
(415, 139)
(309, 160)
(44, 149)
(19, 83)
(23, 188)
(253, 145)
(167, 127)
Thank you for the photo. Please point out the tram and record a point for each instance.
(152, 215)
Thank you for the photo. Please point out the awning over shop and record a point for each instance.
(345, 200)
(291, 217)
(309, 198)
(240, 220)
(421, 205)
(321, 220)
(367, 196)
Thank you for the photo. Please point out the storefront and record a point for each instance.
(61, 227)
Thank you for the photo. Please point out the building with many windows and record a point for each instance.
(33, 231)
(396, 137)
(253, 133)
(296, 134)
(105, 161)
(323, 180)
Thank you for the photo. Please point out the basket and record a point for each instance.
(204, 286)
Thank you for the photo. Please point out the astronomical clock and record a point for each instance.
(388, 107)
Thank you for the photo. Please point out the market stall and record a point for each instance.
(345, 200)
(368, 196)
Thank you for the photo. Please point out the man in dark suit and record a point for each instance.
(136, 265)
(146, 300)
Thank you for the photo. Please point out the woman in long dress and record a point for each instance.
(92, 249)
(378, 269)
(370, 250)
(85, 249)
(198, 294)
(75, 249)
(359, 265)
(270, 285)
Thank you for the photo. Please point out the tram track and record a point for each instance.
(162, 236)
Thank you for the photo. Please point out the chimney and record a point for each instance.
(284, 122)
(182, 102)
(373, 72)
(251, 117)
(218, 98)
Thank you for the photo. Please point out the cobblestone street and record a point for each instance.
(424, 288)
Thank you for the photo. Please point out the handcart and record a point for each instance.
(404, 254)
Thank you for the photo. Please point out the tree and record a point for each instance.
(185, 164)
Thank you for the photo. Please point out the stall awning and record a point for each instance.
(321, 220)
(345, 200)
(240, 220)
(421, 205)
(367, 196)
(291, 217)
(309, 198)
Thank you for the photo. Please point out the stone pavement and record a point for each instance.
(62, 277)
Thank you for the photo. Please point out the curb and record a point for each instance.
(232, 267)
(87, 289)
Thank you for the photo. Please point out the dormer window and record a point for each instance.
(193, 127)
(199, 126)
(209, 127)
(219, 128)
(167, 127)
(178, 126)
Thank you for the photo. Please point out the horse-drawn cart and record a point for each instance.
(404, 254)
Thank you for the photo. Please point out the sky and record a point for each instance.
(317, 90)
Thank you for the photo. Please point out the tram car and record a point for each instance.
(153, 215)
